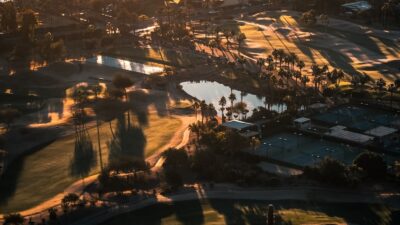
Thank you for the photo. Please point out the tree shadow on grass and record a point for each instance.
(229, 210)
(84, 158)
(141, 103)
(129, 140)
(8, 183)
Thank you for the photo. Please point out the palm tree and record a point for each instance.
(232, 98)
(297, 75)
(122, 82)
(316, 73)
(293, 58)
(392, 88)
(227, 35)
(285, 74)
(241, 60)
(385, 9)
(222, 103)
(380, 84)
(332, 76)
(364, 79)
(196, 107)
(211, 111)
(97, 90)
(397, 83)
(275, 54)
(281, 57)
(212, 44)
(260, 63)
(9, 16)
(305, 80)
(270, 61)
(29, 23)
(240, 37)
(300, 65)
(195, 128)
(241, 108)
(340, 75)
(203, 110)
(270, 219)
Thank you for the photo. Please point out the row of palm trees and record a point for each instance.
(208, 111)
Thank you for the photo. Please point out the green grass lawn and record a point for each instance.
(47, 172)
(254, 212)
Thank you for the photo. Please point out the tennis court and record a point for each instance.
(301, 150)
(360, 118)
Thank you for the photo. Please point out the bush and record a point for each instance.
(329, 171)
(13, 219)
(175, 159)
(372, 164)
(173, 178)
(309, 18)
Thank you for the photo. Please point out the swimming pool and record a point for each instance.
(126, 64)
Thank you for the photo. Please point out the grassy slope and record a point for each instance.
(254, 212)
(46, 173)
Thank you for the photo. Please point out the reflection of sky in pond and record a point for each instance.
(125, 64)
(212, 92)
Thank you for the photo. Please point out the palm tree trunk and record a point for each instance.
(99, 144)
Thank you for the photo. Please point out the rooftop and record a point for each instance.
(381, 131)
(318, 106)
(338, 127)
(358, 6)
(343, 134)
(237, 124)
(302, 120)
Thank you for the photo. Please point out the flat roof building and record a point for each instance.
(340, 132)
(385, 135)
(302, 123)
(243, 128)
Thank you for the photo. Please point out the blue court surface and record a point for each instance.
(301, 150)
(360, 118)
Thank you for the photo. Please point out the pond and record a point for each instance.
(211, 92)
(126, 64)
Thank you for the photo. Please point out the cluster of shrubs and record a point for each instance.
(367, 165)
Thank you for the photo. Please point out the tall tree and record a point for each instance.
(8, 17)
(122, 82)
(222, 103)
(29, 23)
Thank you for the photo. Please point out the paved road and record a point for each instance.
(268, 194)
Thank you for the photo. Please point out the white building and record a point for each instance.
(302, 123)
(243, 128)
(385, 135)
(341, 133)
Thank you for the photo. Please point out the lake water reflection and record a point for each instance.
(211, 92)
